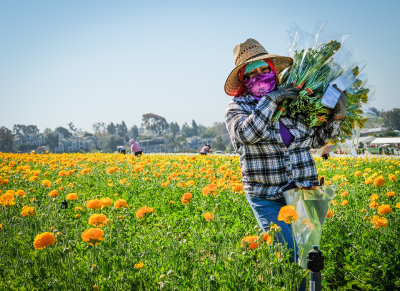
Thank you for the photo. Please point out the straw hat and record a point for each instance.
(250, 51)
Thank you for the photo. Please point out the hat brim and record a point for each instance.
(233, 84)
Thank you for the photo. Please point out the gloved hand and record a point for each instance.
(288, 92)
(339, 112)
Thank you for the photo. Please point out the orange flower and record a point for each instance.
(46, 183)
(344, 202)
(93, 236)
(7, 199)
(98, 220)
(392, 177)
(330, 213)
(373, 205)
(208, 216)
(344, 194)
(390, 194)
(369, 180)
(71, 196)
(120, 203)
(44, 240)
(398, 205)
(28, 211)
(187, 198)
(139, 265)
(374, 197)
(20, 193)
(250, 242)
(94, 204)
(105, 202)
(379, 181)
(288, 214)
(379, 221)
(384, 209)
(143, 210)
(53, 193)
(267, 238)
(357, 174)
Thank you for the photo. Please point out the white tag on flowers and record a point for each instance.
(344, 81)
(331, 97)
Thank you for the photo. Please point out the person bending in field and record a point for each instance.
(274, 156)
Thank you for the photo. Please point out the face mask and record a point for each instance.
(261, 84)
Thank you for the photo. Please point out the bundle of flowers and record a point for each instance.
(314, 69)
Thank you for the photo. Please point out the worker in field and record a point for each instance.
(206, 149)
(135, 147)
(274, 156)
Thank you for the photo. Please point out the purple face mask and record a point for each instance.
(261, 84)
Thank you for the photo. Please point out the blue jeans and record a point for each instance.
(266, 211)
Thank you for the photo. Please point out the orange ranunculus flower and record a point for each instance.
(105, 202)
(344, 202)
(357, 174)
(53, 193)
(94, 204)
(120, 203)
(379, 221)
(384, 209)
(208, 216)
(379, 181)
(374, 197)
(330, 213)
(344, 194)
(28, 211)
(288, 214)
(98, 220)
(20, 193)
(46, 183)
(398, 205)
(93, 236)
(250, 242)
(71, 196)
(267, 238)
(7, 199)
(369, 180)
(392, 177)
(390, 194)
(44, 240)
(187, 198)
(139, 265)
(143, 210)
(373, 205)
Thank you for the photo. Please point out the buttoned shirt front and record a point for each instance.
(268, 166)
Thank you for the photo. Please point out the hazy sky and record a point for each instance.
(113, 61)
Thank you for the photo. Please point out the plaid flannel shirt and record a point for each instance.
(268, 166)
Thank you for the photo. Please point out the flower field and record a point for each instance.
(108, 221)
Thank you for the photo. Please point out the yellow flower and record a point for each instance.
(369, 180)
(7, 199)
(267, 238)
(20, 193)
(28, 211)
(398, 205)
(357, 174)
(373, 205)
(288, 214)
(139, 265)
(44, 240)
(105, 202)
(374, 197)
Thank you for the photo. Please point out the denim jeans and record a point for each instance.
(266, 211)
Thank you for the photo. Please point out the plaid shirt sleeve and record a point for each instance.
(248, 127)
(324, 133)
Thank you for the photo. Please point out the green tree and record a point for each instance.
(52, 140)
(111, 128)
(195, 128)
(6, 139)
(154, 122)
(122, 129)
(65, 132)
(391, 119)
(174, 128)
(134, 132)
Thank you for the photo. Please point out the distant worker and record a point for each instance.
(135, 148)
(325, 151)
(205, 149)
(121, 149)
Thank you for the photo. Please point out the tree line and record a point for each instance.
(110, 135)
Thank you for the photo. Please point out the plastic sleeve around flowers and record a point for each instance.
(249, 128)
(323, 134)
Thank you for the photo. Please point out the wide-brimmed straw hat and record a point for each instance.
(250, 51)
